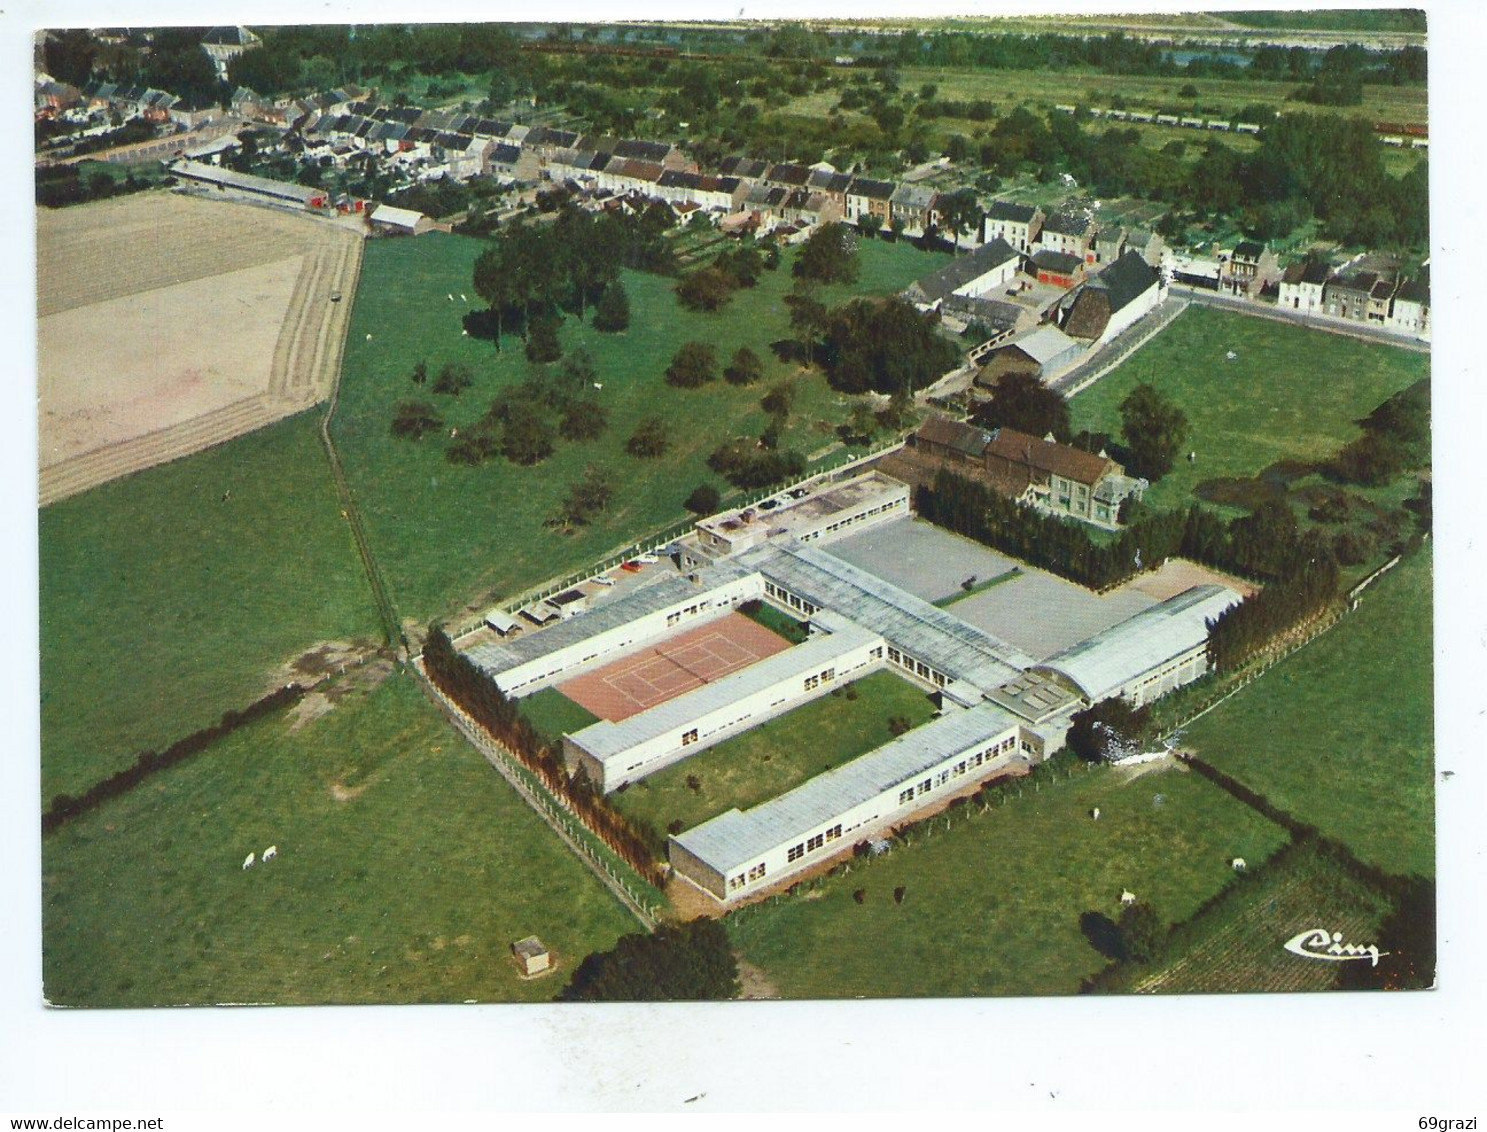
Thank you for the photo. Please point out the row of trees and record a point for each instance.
(472, 688)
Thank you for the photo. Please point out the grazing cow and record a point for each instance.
(1192, 456)
(270, 853)
(464, 334)
(598, 385)
(1231, 355)
(1095, 814)
(463, 299)
(369, 337)
(249, 861)
(1237, 864)
(451, 298)
(1127, 897)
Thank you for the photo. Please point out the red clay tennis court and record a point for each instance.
(671, 667)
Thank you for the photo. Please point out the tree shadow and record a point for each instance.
(1102, 933)
(789, 350)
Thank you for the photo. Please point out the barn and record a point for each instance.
(1041, 354)
(392, 221)
(1110, 302)
(244, 186)
(1058, 269)
(990, 266)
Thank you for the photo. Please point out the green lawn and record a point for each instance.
(412, 889)
(446, 535)
(1340, 734)
(554, 714)
(777, 621)
(164, 604)
(993, 906)
(1292, 393)
(776, 756)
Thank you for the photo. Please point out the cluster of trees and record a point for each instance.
(883, 346)
(1023, 403)
(691, 962)
(538, 270)
(1396, 436)
(1307, 588)
(709, 288)
(60, 185)
(1107, 730)
(746, 463)
(694, 365)
(146, 763)
(829, 255)
(468, 685)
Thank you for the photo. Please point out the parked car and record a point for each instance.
(603, 580)
(648, 559)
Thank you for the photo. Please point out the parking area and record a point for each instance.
(1036, 611)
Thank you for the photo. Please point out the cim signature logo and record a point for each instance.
(1319, 943)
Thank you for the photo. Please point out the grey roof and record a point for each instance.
(213, 174)
(1249, 250)
(938, 638)
(913, 196)
(1011, 211)
(1125, 280)
(1072, 222)
(873, 190)
(1047, 344)
(1415, 290)
(830, 182)
(1062, 262)
(993, 313)
(1108, 661)
(739, 838)
(643, 150)
(966, 269)
(499, 658)
(608, 739)
(505, 154)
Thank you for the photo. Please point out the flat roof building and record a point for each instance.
(738, 852)
(822, 513)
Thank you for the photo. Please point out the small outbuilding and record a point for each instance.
(400, 221)
(531, 956)
(502, 622)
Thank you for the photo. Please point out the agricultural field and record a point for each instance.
(177, 593)
(1280, 399)
(447, 534)
(168, 324)
(776, 756)
(406, 868)
(1238, 945)
(1363, 775)
(993, 905)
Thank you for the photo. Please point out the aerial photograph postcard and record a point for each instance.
(929, 507)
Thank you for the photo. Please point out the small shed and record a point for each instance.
(400, 221)
(531, 956)
(502, 622)
(570, 603)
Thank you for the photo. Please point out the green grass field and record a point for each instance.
(553, 714)
(446, 535)
(1340, 734)
(1293, 393)
(776, 756)
(777, 621)
(411, 889)
(993, 905)
(163, 605)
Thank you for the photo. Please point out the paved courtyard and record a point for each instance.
(1036, 611)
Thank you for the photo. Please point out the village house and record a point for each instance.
(1148, 245)
(1352, 296)
(1302, 285)
(1042, 354)
(990, 266)
(866, 197)
(1018, 224)
(1070, 232)
(833, 186)
(911, 209)
(1410, 311)
(1109, 244)
(1250, 268)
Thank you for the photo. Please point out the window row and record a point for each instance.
(811, 844)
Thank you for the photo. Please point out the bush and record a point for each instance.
(649, 440)
(707, 290)
(542, 339)
(415, 419)
(694, 365)
(612, 314)
(453, 379)
(704, 500)
(583, 420)
(745, 368)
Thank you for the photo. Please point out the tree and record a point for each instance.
(690, 962)
(704, 500)
(454, 378)
(778, 400)
(612, 314)
(542, 339)
(583, 419)
(1142, 934)
(885, 346)
(578, 372)
(1022, 402)
(1154, 429)
(959, 212)
(1106, 730)
(829, 255)
(808, 316)
(649, 440)
(526, 438)
(860, 425)
(420, 372)
(414, 419)
(694, 365)
(585, 499)
(745, 368)
(707, 290)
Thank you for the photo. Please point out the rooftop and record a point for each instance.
(798, 516)
(965, 269)
(1049, 456)
(1100, 666)
(228, 178)
(1061, 262)
(738, 838)
(1011, 211)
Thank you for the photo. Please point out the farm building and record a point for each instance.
(245, 186)
(523, 666)
(990, 266)
(1018, 224)
(1058, 269)
(400, 221)
(820, 514)
(1041, 354)
(613, 753)
(1111, 301)
(1203, 272)
(996, 319)
(1148, 655)
(738, 852)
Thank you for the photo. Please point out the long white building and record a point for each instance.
(613, 753)
(738, 852)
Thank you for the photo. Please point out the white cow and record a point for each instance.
(1127, 896)
(451, 298)
(462, 298)
(249, 861)
(1231, 355)
(270, 853)
(1095, 814)
(1238, 865)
